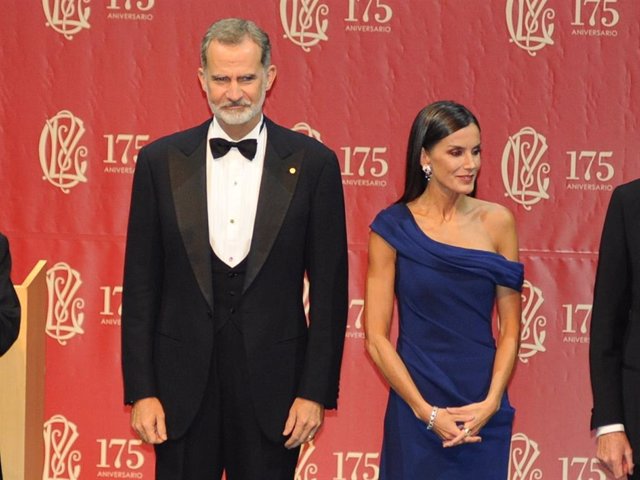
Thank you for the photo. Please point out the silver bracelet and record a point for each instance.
(432, 418)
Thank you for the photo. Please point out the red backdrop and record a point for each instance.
(86, 83)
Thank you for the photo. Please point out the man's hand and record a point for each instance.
(615, 452)
(305, 418)
(147, 419)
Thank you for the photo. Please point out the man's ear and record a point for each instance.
(272, 71)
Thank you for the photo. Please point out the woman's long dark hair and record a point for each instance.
(433, 123)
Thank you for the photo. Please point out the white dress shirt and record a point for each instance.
(614, 427)
(233, 185)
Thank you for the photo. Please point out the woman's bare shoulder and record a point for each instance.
(493, 214)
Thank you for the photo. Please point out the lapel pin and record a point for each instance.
(292, 170)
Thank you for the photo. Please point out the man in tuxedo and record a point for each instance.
(614, 351)
(221, 367)
(9, 304)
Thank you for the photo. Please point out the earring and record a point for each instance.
(427, 171)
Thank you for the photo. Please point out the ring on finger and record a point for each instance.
(466, 431)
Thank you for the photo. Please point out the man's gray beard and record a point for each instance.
(242, 117)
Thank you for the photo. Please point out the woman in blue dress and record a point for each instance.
(448, 259)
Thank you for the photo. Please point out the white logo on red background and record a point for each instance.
(529, 24)
(305, 470)
(524, 453)
(596, 18)
(62, 158)
(129, 10)
(61, 462)
(304, 22)
(368, 16)
(67, 17)
(532, 335)
(64, 315)
(524, 173)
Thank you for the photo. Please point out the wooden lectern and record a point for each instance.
(22, 385)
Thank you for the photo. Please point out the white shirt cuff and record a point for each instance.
(614, 427)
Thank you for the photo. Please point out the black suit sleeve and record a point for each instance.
(610, 317)
(9, 304)
(326, 265)
(142, 285)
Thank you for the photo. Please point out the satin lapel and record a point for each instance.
(279, 179)
(189, 187)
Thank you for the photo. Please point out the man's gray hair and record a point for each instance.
(232, 31)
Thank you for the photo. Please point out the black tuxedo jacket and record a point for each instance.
(615, 325)
(167, 327)
(9, 304)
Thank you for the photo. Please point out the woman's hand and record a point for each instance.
(448, 426)
(469, 419)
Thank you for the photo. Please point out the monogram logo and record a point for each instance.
(524, 453)
(532, 336)
(304, 22)
(60, 462)
(66, 16)
(305, 128)
(64, 315)
(306, 470)
(61, 156)
(523, 172)
(529, 24)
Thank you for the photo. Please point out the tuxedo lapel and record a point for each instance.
(279, 179)
(189, 187)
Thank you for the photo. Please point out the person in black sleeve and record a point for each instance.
(9, 304)
(614, 348)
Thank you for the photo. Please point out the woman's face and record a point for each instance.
(455, 160)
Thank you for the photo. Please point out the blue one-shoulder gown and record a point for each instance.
(445, 296)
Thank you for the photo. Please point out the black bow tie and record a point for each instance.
(220, 147)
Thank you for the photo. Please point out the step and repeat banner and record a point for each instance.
(87, 83)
